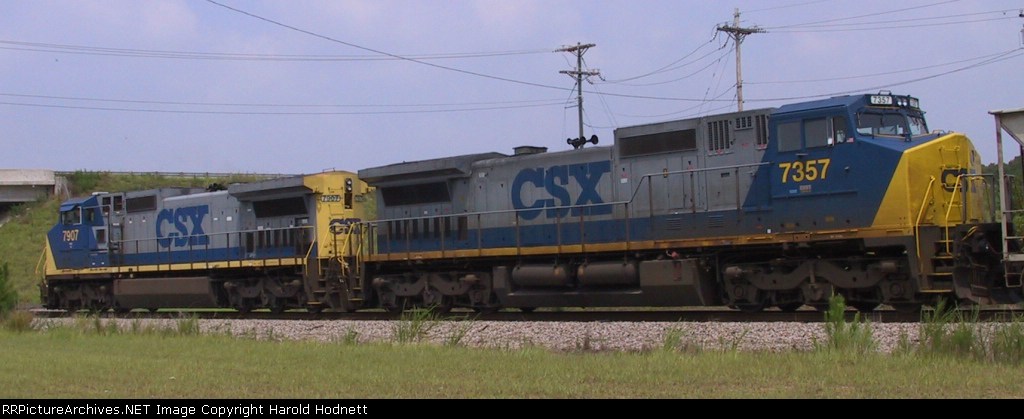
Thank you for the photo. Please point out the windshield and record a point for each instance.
(890, 123)
(917, 125)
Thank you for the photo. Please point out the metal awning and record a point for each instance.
(1012, 121)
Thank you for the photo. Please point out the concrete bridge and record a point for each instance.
(25, 185)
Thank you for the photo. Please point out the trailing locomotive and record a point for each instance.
(275, 244)
(763, 208)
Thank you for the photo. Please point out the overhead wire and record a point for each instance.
(1002, 57)
(772, 28)
(227, 56)
(273, 105)
(413, 60)
(786, 6)
(226, 112)
(908, 70)
(923, 25)
(669, 66)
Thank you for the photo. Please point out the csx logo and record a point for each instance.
(183, 226)
(554, 181)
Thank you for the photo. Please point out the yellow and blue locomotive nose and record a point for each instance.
(935, 183)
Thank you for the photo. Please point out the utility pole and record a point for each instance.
(578, 74)
(737, 34)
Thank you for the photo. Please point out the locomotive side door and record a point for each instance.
(802, 167)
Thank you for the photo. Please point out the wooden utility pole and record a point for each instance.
(737, 34)
(578, 73)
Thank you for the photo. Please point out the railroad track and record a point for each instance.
(686, 315)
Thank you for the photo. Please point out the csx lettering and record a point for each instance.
(810, 170)
(182, 226)
(950, 178)
(554, 180)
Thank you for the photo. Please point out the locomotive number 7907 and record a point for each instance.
(799, 171)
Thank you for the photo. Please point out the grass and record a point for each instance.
(187, 366)
(846, 337)
(414, 325)
(21, 243)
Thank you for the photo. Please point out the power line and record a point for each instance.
(669, 66)
(227, 56)
(396, 56)
(444, 108)
(1002, 57)
(916, 19)
(806, 3)
(861, 16)
(698, 71)
(908, 70)
(275, 105)
(923, 25)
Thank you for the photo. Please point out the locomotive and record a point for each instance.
(776, 207)
(275, 244)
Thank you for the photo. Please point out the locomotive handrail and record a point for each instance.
(406, 237)
(958, 186)
(681, 172)
(39, 264)
(917, 222)
(206, 247)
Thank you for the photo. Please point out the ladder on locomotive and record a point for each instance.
(1011, 121)
(344, 267)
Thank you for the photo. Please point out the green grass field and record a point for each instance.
(72, 363)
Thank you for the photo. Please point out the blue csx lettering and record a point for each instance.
(553, 181)
(183, 226)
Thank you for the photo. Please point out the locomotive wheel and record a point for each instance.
(750, 307)
(907, 307)
(790, 307)
(401, 303)
(245, 306)
(444, 307)
(276, 305)
(864, 306)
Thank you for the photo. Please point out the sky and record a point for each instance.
(302, 86)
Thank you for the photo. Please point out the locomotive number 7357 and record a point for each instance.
(799, 171)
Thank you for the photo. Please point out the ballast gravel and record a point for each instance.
(557, 336)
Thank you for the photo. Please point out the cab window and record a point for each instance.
(816, 132)
(882, 124)
(789, 136)
(71, 217)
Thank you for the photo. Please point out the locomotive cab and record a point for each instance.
(84, 230)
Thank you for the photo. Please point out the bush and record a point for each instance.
(8, 296)
(18, 321)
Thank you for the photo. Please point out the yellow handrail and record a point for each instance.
(949, 208)
(917, 223)
(42, 257)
